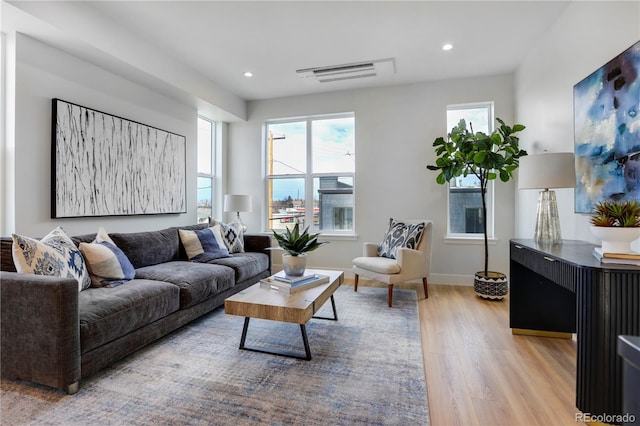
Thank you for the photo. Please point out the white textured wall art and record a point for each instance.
(103, 165)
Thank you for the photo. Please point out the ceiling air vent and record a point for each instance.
(351, 71)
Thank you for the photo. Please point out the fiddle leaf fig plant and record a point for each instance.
(487, 157)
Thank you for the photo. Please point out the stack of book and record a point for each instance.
(287, 284)
(631, 258)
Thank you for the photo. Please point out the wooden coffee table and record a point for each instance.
(264, 303)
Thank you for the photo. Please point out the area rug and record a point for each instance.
(367, 368)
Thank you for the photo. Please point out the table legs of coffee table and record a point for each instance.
(305, 340)
(303, 330)
(335, 313)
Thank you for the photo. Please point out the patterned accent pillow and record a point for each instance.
(399, 235)
(54, 255)
(232, 235)
(108, 265)
(203, 245)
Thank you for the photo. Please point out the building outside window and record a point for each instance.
(465, 198)
(310, 173)
(206, 141)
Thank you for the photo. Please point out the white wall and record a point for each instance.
(43, 73)
(395, 129)
(587, 36)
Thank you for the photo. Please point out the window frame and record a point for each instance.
(309, 176)
(490, 196)
(212, 174)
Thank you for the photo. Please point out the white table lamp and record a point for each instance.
(544, 171)
(237, 203)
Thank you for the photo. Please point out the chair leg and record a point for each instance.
(355, 285)
(424, 285)
(390, 294)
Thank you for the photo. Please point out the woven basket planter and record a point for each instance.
(493, 285)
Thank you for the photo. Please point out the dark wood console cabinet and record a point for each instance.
(564, 289)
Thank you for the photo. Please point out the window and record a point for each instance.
(206, 132)
(310, 173)
(465, 199)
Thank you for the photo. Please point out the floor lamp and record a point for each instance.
(544, 171)
(238, 203)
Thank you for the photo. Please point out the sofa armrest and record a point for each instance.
(40, 330)
(258, 244)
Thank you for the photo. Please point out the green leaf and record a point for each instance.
(479, 157)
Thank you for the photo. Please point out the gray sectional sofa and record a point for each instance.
(53, 335)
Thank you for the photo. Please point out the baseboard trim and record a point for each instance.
(450, 279)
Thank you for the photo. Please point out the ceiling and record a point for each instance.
(220, 40)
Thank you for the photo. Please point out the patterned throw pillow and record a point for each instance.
(108, 265)
(232, 235)
(203, 245)
(54, 255)
(399, 235)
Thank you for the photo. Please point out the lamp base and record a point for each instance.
(547, 221)
(242, 225)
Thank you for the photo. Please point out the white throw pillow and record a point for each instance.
(54, 255)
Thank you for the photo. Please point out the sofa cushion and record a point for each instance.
(197, 281)
(379, 264)
(109, 313)
(148, 248)
(245, 265)
(53, 255)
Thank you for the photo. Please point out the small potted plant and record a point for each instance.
(616, 224)
(296, 245)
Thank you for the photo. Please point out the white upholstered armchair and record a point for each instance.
(409, 264)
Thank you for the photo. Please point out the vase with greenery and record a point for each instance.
(616, 224)
(296, 244)
(488, 157)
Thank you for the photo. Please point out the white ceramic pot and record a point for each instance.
(294, 266)
(615, 239)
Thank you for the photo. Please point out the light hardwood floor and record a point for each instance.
(478, 373)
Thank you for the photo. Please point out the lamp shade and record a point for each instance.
(237, 203)
(548, 170)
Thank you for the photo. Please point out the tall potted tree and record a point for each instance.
(487, 157)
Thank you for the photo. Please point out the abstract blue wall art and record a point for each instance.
(104, 165)
(607, 132)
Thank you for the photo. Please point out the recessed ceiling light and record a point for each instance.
(447, 46)
(248, 74)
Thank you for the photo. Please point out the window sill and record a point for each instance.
(329, 237)
(458, 239)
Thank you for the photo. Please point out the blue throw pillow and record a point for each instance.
(108, 265)
(203, 245)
